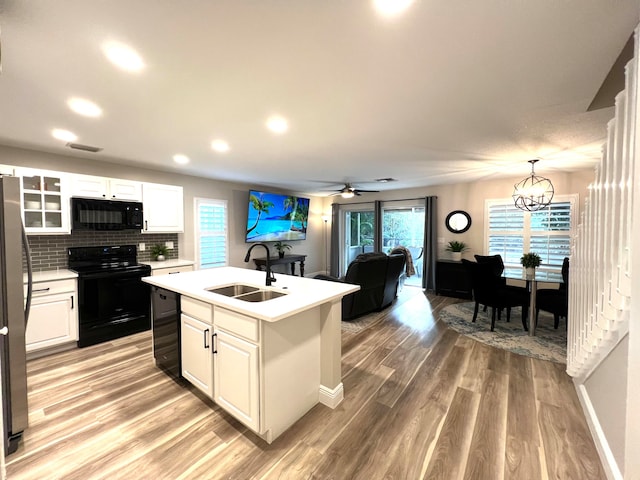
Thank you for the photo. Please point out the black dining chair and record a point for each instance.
(489, 290)
(554, 300)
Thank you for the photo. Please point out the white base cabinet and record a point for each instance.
(236, 383)
(265, 374)
(195, 344)
(53, 319)
(197, 360)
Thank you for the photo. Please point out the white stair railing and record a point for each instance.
(600, 280)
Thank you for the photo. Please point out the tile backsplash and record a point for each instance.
(49, 252)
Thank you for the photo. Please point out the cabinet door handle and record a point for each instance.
(163, 297)
(206, 336)
(37, 290)
(214, 343)
(146, 227)
(71, 302)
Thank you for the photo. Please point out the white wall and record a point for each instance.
(237, 196)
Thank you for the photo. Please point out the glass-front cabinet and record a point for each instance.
(45, 205)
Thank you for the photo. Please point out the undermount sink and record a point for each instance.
(233, 290)
(260, 296)
(247, 293)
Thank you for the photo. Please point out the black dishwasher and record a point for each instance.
(166, 330)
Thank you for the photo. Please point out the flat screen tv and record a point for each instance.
(274, 216)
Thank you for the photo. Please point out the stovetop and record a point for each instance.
(111, 258)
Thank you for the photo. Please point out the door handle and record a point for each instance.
(146, 227)
(71, 302)
(213, 339)
(206, 336)
(41, 290)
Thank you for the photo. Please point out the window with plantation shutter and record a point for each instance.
(211, 233)
(511, 232)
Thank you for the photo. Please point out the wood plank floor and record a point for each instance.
(420, 402)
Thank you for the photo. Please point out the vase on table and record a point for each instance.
(530, 272)
(456, 256)
(281, 254)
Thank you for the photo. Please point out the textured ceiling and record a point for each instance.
(450, 91)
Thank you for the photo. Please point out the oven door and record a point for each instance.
(112, 305)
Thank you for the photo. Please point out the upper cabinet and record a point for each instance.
(109, 188)
(163, 208)
(45, 201)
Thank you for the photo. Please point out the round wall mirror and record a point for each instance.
(458, 221)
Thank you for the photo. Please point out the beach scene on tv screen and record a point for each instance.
(275, 216)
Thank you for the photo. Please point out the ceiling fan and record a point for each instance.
(349, 191)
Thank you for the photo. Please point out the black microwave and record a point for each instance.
(96, 214)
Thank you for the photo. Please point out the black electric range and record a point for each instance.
(113, 300)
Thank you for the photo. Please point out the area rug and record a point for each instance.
(548, 343)
(358, 324)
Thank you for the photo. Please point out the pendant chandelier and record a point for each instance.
(533, 192)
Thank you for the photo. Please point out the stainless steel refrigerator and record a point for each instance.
(13, 314)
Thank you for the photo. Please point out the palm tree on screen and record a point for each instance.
(260, 206)
(291, 203)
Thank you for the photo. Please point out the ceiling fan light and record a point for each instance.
(347, 194)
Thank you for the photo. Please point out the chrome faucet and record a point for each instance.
(270, 278)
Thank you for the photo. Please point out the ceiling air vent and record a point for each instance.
(86, 148)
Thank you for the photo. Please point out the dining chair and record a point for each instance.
(489, 290)
(555, 300)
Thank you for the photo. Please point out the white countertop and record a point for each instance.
(169, 263)
(50, 275)
(302, 293)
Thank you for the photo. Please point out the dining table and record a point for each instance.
(532, 281)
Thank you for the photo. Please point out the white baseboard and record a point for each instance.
(331, 397)
(599, 439)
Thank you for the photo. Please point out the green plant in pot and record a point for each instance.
(159, 252)
(281, 247)
(530, 261)
(456, 248)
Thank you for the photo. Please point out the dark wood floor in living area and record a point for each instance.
(420, 402)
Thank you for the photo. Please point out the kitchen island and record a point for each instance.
(265, 354)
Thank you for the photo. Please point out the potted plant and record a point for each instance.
(281, 247)
(456, 248)
(530, 261)
(158, 252)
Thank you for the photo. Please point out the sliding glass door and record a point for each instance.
(358, 231)
(403, 226)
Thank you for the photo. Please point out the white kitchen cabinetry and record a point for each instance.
(195, 344)
(236, 372)
(163, 208)
(109, 188)
(53, 319)
(45, 202)
(172, 270)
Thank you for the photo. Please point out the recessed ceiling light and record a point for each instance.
(220, 146)
(84, 107)
(391, 8)
(181, 159)
(123, 56)
(64, 135)
(277, 124)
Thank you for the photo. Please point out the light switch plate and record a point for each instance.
(169, 245)
(142, 247)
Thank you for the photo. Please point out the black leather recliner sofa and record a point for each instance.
(378, 275)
